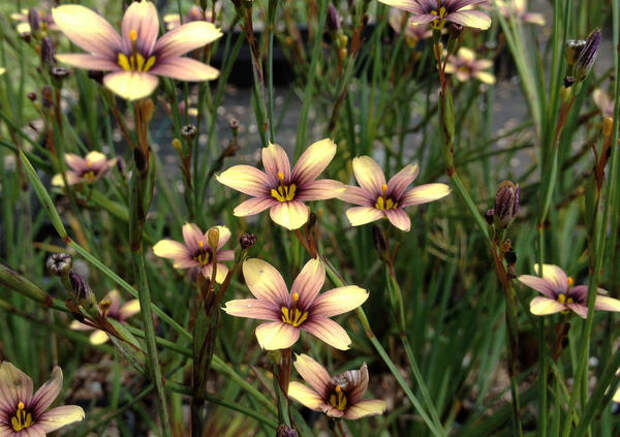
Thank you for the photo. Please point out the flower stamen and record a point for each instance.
(283, 193)
(293, 315)
(135, 61)
(22, 419)
(338, 399)
(570, 281)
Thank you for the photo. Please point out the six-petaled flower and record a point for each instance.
(84, 170)
(465, 66)
(439, 12)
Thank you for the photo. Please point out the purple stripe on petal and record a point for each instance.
(15, 385)
(357, 196)
(308, 283)
(186, 69)
(580, 309)
(247, 179)
(320, 190)
(252, 309)
(328, 331)
(314, 374)
(422, 19)
(470, 18)
(186, 38)
(399, 218)
(86, 61)
(313, 161)
(541, 285)
(46, 394)
(142, 18)
(254, 206)
(401, 180)
(606, 303)
(275, 161)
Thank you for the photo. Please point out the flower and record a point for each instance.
(340, 396)
(603, 103)
(561, 295)
(506, 204)
(438, 12)
(25, 415)
(465, 66)
(23, 19)
(109, 307)
(413, 32)
(84, 170)
(280, 189)
(376, 199)
(302, 309)
(138, 57)
(198, 252)
(195, 13)
(518, 10)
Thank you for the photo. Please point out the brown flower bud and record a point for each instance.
(81, 289)
(34, 20)
(285, 431)
(59, 263)
(213, 237)
(334, 20)
(247, 240)
(48, 51)
(506, 203)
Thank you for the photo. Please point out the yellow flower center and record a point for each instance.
(283, 193)
(383, 202)
(441, 12)
(22, 419)
(563, 299)
(204, 254)
(338, 399)
(135, 61)
(293, 315)
(90, 176)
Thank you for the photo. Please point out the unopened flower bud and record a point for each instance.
(334, 20)
(506, 203)
(34, 20)
(48, 51)
(587, 56)
(32, 96)
(189, 131)
(59, 263)
(247, 240)
(572, 50)
(285, 431)
(81, 289)
(213, 237)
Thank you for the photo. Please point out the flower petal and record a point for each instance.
(129, 309)
(328, 331)
(313, 161)
(186, 69)
(265, 282)
(98, 337)
(276, 335)
(193, 237)
(471, 18)
(142, 18)
(88, 62)
(606, 303)
(357, 196)
(220, 273)
(339, 300)
(401, 180)
(485, 77)
(58, 417)
(424, 193)
(15, 386)
(186, 38)
(131, 85)
(407, 5)
(365, 408)
(554, 274)
(359, 382)
(292, 215)
(320, 190)
(578, 308)
(399, 218)
(314, 374)
(542, 285)
(253, 206)
(360, 215)
(368, 174)
(309, 282)
(88, 30)
(224, 235)
(275, 161)
(252, 309)
(247, 179)
(225, 255)
(173, 250)
(542, 306)
(305, 396)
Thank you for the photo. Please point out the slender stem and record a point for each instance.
(271, 28)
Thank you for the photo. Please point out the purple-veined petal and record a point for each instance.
(606, 303)
(333, 411)
(265, 282)
(424, 194)
(306, 396)
(360, 215)
(541, 285)
(253, 206)
(313, 161)
(423, 19)
(220, 273)
(365, 408)
(368, 174)
(275, 161)
(399, 218)
(542, 306)
(186, 38)
(320, 190)
(87, 30)
(309, 282)
(142, 18)
(357, 196)
(193, 236)
(224, 236)
(131, 85)
(75, 162)
(401, 180)
(186, 69)
(406, 5)
(252, 309)
(58, 417)
(328, 331)
(578, 308)
(15, 386)
(173, 250)
(225, 255)
(291, 215)
(314, 374)
(470, 18)
(339, 300)
(247, 179)
(555, 275)
(88, 62)
(359, 379)
(276, 335)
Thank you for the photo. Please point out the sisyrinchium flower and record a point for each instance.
(561, 295)
(518, 9)
(604, 103)
(414, 33)
(302, 309)
(281, 189)
(25, 415)
(84, 170)
(112, 307)
(338, 396)
(465, 66)
(135, 59)
(200, 251)
(378, 199)
(439, 12)
(195, 13)
(27, 18)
